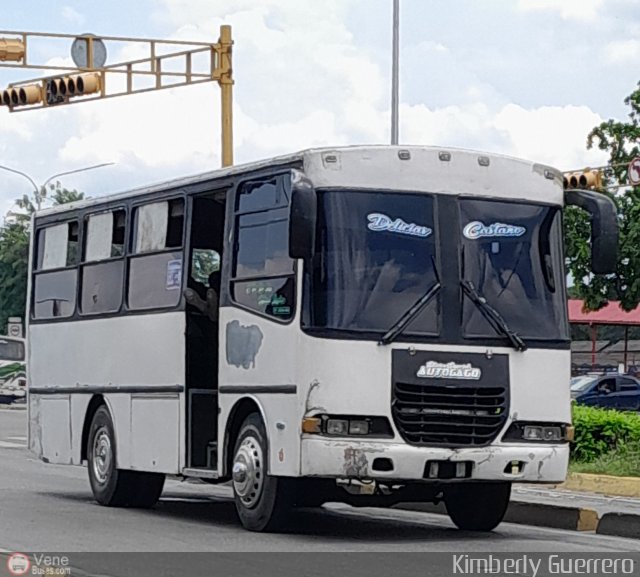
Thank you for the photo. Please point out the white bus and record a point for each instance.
(13, 376)
(362, 324)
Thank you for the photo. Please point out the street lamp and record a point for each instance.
(41, 191)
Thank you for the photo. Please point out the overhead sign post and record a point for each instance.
(633, 171)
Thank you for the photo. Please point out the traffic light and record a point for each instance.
(61, 89)
(22, 95)
(11, 49)
(585, 179)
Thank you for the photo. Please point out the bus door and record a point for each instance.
(202, 304)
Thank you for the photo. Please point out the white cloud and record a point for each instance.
(623, 51)
(551, 134)
(72, 15)
(586, 10)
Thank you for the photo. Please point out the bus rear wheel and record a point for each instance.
(111, 486)
(477, 506)
(263, 502)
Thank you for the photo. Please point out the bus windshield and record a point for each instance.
(511, 254)
(377, 255)
(11, 350)
(376, 261)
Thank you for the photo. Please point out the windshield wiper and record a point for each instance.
(493, 316)
(411, 313)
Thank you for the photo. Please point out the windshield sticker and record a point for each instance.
(435, 370)
(381, 222)
(477, 229)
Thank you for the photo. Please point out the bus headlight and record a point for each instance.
(347, 426)
(538, 433)
(337, 427)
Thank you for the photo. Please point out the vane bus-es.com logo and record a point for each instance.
(18, 564)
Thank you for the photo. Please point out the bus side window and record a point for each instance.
(56, 277)
(155, 268)
(103, 264)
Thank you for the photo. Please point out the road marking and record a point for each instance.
(8, 445)
(20, 438)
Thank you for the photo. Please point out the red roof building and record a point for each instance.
(608, 352)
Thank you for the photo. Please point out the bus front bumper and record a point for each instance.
(347, 458)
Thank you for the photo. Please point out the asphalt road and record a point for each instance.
(50, 508)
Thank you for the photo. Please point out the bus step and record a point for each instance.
(200, 472)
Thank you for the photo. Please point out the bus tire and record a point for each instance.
(477, 506)
(114, 487)
(263, 502)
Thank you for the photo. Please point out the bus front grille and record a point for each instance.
(449, 415)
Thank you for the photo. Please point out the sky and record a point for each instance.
(526, 78)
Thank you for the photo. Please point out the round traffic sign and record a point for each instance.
(14, 331)
(634, 171)
(80, 52)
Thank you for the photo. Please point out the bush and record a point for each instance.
(603, 431)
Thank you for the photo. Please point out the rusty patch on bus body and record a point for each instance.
(355, 462)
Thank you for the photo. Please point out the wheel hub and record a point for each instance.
(248, 471)
(102, 456)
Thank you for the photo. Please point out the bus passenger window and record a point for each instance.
(103, 266)
(55, 280)
(155, 268)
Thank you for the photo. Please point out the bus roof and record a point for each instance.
(314, 158)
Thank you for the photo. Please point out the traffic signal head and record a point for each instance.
(61, 89)
(585, 179)
(22, 95)
(11, 49)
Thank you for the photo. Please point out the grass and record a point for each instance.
(624, 462)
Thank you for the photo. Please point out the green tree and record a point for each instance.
(621, 140)
(14, 252)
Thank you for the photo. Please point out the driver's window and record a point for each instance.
(607, 386)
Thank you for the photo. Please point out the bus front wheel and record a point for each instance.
(111, 486)
(477, 506)
(263, 502)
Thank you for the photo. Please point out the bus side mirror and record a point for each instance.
(302, 217)
(604, 227)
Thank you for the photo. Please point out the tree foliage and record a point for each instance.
(14, 252)
(621, 140)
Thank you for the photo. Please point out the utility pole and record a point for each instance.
(395, 75)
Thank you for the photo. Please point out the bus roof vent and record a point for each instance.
(484, 161)
(404, 155)
(444, 156)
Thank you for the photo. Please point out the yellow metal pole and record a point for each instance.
(226, 87)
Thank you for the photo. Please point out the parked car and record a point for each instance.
(620, 392)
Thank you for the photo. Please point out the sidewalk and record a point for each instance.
(601, 504)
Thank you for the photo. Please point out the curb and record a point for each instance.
(539, 515)
(619, 525)
(602, 484)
